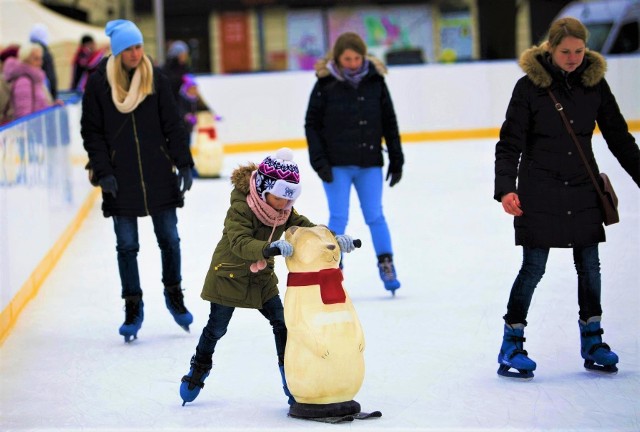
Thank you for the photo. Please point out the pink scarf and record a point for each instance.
(265, 214)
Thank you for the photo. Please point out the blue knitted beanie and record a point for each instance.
(123, 34)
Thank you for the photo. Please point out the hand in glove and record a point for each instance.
(109, 185)
(394, 173)
(185, 178)
(286, 248)
(345, 242)
(325, 174)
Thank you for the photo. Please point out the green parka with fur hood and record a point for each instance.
(537, 159)
(229, 280)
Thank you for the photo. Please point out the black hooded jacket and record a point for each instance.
(141, 149)
(559, 201)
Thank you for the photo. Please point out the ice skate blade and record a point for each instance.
(591, 366)
(130, 338)
(521, 375)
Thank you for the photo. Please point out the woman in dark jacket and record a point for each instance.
(350, 111)
(135, 140)
(554, 202)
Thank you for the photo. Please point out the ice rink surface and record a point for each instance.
(431, 351)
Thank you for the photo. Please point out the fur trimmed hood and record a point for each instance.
(241, 176)
(530, 62)
(322, 70)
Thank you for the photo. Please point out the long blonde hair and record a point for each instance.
(122, 81)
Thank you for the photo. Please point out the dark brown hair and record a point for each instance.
(566, 27)
(347, 41)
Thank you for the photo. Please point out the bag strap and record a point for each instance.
(560, 110)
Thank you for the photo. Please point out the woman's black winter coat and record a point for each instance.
(141, 149)
(345, 125)
(559, 202)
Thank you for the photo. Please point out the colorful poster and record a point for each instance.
(305, 39)
(455, 37)
(387, 29)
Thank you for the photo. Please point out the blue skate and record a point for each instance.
(388, 273)
(134, 315)
(174, 299)
(596, 354)
(193, 381)
(512, 354)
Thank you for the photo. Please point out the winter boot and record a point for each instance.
(174, 300)
(512, 354)
(388, 273)
(193, 381)
(133, 316)
(287, 393)
(596, 354)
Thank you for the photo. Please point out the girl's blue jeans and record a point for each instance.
(368, 183)
(534, 261)
(219, 318)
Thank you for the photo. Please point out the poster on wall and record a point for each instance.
(455, 37)
(305, 39)
(388, 31)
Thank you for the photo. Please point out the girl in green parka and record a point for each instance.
(240, 274)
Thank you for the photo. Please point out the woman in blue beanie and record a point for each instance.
(136, 142)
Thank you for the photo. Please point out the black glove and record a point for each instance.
(109, 185)
(325, 174)
(185, 178)
(395, 171)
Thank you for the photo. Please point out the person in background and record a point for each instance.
(188, 103)
(85, 61)
(349, 113)
(6, 106)
(26, 79)
(40, 35)
(241, 274)
(540, 179)
(177, 65)
(135, 140)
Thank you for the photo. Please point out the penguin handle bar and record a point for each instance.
(274, 251)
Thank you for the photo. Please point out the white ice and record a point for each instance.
(431, 351)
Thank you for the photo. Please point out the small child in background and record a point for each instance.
(188, 103)
(240, 275)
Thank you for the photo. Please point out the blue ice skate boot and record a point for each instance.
(388, 273)
(174, 299)
(193, 381)
(287, 393)
(596, 354)
(513, 355)
(133, 317)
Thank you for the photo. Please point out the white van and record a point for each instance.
(614, 25)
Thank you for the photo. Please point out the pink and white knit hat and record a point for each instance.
(279, 176)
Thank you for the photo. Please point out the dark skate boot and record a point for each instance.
(193, 381)
(134, 315)
(512, 354)
(388, 273)
(596, 354)
(174, 300)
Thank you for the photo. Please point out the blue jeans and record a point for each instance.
(368, 184)
(534, 261)
(219, 318)
(165, 226)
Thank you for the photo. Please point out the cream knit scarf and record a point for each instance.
(265, 214)
(133, 96)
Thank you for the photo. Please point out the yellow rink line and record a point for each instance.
(31, 287)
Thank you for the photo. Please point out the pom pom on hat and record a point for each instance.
(39, 33)
(279, 176)
(123, 34)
